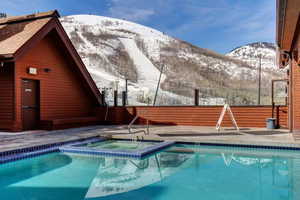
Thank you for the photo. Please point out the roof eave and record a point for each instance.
(6, 57)
(18, 19)
(286, 23)
(280, 9)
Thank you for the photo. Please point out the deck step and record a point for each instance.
(296, 136)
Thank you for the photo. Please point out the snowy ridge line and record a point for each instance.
(93, 20)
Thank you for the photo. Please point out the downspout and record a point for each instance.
(290, 97)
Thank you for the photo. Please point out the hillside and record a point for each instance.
(114, 50)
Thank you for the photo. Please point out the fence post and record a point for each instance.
(124, 97)
(115, 97)
(277, 117)
(196, 97)
(103, 97)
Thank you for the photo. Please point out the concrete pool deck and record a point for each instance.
(247, 136)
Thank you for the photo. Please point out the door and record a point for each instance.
(30, 104)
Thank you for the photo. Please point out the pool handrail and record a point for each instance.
(146, 132)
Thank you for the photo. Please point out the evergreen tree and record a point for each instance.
(3, 15)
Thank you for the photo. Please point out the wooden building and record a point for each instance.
(288, 54)
(43, 81)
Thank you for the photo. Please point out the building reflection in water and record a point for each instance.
(117, 175)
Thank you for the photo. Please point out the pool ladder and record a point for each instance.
(146, 131)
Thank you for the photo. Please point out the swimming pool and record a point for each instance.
(178, 172)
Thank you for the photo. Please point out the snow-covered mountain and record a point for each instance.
(263, 54)
(252, 53)
(114, 50)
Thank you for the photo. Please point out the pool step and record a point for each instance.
(139, 153)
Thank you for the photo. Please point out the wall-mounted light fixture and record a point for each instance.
(32, 70)
(282, 58)
(47, 70)
(296, 56)
(1, 64)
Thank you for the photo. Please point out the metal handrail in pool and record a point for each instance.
(146, 132)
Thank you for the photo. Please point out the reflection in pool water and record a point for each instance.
(120, 175)
(179, 172)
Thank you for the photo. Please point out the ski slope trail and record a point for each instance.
(148, 73)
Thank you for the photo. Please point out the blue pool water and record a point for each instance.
(179, 172)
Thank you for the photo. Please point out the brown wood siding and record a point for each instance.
(295, 84)
(251, 116)
(62, 93)
(6, 95)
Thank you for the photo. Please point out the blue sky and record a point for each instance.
(219, 25)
